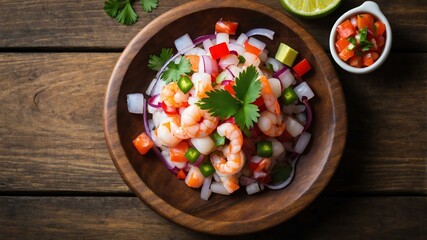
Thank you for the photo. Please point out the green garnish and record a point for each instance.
(352, 40)
(280, 173)
(149, 5)
(364, 43)
(270, 67)
(220, 103)
(174, 71)
(122, 10)
(156, 62)
(241, 59)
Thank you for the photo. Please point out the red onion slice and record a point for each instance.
(154, 101)
(261, 32)
(202, 38)
(309, 113)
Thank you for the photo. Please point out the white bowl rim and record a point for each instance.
(366, 7)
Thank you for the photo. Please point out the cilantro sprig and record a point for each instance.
(123, 12)
(174, 70)
(220, 103)
(156, 62)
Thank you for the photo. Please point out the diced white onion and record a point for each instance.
(293, 127)
(150, 87)
(302, 142)
(135, 102)
(286, 78)
(251, 59)
(303, 90)
(257, 43)
(275, 64)
(192, 100)
(299, 108)
(168, 161)
(151, 124)
(204, 145)
(236, 47)
(183, 42)
(259, 174)
(228, 60)
(206, 45)
(263, 55)
(217, 187)
(288, 109)
(196, 51)
(261, 32)
(216, 177)
(206, 190)
(234, 70)
(241, 39)
(275, 86)
(301, 117)
(222, 37)
(277, 146)
(253, 188)
(180, 165)
(245, 181)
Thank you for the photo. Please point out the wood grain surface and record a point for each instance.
(57, 179)
(126, 218)
(82, 24)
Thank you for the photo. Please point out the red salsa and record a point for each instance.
(360, 40)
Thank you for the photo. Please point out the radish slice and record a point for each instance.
(135, 102)
(261, 32)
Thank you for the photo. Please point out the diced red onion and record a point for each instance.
(135, 103)
(261, 32)
(253, 188)
(302, 142)
(234, 52)
(228, 60)
(280, 71)
(201, 39)
(309, 113)
(206, 192)
(226, 82)
(199, 160)
(244, 181)
(303, 90)
(155, 101)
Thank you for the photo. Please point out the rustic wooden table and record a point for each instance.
(57, 179)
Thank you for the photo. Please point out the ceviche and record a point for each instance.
(222, 114)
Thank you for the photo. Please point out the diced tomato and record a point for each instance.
(302, 67)
(365, 20)
(177, 152)
(143, 143)
(342, 44)
(253, 166)
(259, 101)
(194, 60)
(355, 61)
(345, 29)
(226, 27)
(168, 110)
(368, 59)
(230, 89)
(181, 174)
(346, 54)
(219, 50)
(380, 28)
(252, 49)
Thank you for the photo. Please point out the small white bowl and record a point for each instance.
(366, 7)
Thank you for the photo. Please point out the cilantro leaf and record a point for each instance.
(149, 5)
(246, 116)
(174, 71)
(219, 103)
(121, 10)
(247, 87)
(156, 62)
(352, 40)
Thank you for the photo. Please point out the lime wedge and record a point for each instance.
(310, 8)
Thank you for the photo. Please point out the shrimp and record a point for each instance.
(202, 84)
(268, 96)
(228, 163)
(194, 178)
(172, 96)
(271, 124)
(165, 132)
(197, 122)
(230, 183)
(234, 134)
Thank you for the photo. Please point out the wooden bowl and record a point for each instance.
(171, 198)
